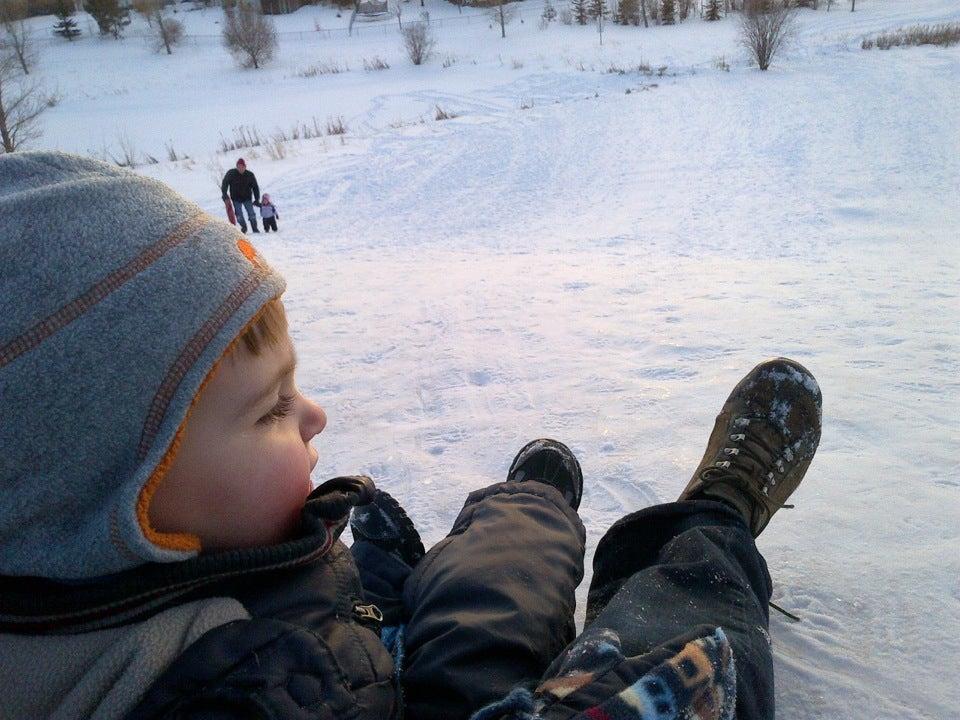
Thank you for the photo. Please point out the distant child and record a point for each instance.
(269, 214)
(163, 553)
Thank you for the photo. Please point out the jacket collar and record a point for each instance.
(32, 605)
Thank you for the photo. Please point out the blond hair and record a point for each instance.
(269, 328)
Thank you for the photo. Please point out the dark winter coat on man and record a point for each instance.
(242, 185)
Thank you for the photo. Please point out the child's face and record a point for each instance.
(242, 471)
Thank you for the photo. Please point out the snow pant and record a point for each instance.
(238, 206)
(660, 572)
(269, 223)
(491, 606)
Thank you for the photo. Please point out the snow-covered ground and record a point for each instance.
(569, 259)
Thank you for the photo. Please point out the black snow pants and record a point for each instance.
(269, 223)
(491, 606)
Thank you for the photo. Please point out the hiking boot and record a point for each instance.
(762, 443)
(385, 524)
(550, 462)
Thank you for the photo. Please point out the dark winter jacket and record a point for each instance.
(301, 645)
(242, 186)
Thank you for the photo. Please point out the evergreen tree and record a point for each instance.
(579, 8)
(67, 26)
(597, 10)
(110, 17)
(627, 12)
(668, 15)
(712, 11)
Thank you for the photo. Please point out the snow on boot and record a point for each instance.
(762, 443)
(253, 226)
(550, 462)
(385, 524)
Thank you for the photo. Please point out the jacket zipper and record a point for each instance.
(369, 615)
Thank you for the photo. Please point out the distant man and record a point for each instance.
(243, 186)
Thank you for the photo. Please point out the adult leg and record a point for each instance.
(238, 212)
(492, 604)
(251, 215)
(666, 569)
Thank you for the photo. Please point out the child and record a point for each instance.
(161, 551)
(162, 554)
(268, 213)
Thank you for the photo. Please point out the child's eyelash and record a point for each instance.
(283, 408)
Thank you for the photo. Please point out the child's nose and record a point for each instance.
(314, 420)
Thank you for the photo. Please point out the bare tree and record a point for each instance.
(764, 28)
(643, 13)
(503, 14)
(144, 8)
(110, 15)
(248, 35)
(418, 41)
(167, 32)
(13, 14)
(22, 101)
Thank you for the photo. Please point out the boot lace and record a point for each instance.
(749, 461)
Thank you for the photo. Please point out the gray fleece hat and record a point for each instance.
(118, 298)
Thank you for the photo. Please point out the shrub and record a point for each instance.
(764, 28)
(22, 101)
(418, 41)
(110, 16)
(243, 137)
(249, 36)
(276, 147)
(336, 126)
(329, 67)
(549, 13)
(944, 34)
(376, 63)
(168, 34)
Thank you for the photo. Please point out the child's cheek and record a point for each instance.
(292, 479)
